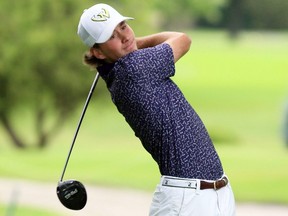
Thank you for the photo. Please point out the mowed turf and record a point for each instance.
(15, 210)
(237, 87)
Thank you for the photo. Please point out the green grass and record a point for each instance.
(24, 211)
(237, 87)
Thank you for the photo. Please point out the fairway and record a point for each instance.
(237, 87)
(24, 211)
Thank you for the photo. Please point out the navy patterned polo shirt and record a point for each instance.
(154, 107)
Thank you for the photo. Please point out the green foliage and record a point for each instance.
(39, 66)
(271, 14)
(184, 13)
(40, 42)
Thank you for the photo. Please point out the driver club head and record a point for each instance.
(72, 194)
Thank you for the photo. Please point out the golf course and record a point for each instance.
(239, 89)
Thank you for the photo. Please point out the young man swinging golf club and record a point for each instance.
(137, 72)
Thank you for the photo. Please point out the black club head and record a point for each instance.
(72, 194)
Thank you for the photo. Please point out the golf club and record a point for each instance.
(72, 193)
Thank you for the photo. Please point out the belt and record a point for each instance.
(192, 183)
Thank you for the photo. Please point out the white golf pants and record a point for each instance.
(179, 200)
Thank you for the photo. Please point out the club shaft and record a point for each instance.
(79, 123)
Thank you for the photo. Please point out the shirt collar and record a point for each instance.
(106, 72)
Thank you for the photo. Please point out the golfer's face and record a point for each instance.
(121, 43)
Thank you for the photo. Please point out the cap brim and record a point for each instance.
(107, 33)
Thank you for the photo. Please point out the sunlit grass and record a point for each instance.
(24, 211)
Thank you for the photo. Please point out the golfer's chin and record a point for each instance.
(124, 52)
(131, 47)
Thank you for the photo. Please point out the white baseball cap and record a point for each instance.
(97, 24)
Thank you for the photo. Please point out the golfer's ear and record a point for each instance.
(97, 53)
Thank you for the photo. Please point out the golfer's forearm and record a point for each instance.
(179, 42)
(180, 45)
(155, 39)
(152, 40)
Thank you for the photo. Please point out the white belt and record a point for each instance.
(179, 182)
(170, 181)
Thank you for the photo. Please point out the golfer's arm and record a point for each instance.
(179, 42)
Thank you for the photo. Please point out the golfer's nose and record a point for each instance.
(124, 37)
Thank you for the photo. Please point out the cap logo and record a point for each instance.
(102, 16)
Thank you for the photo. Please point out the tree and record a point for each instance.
(40, 67)
(266, 14)
(234, 17)
(253, 14)
(185, 13)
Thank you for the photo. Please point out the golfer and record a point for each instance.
(137, 72)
